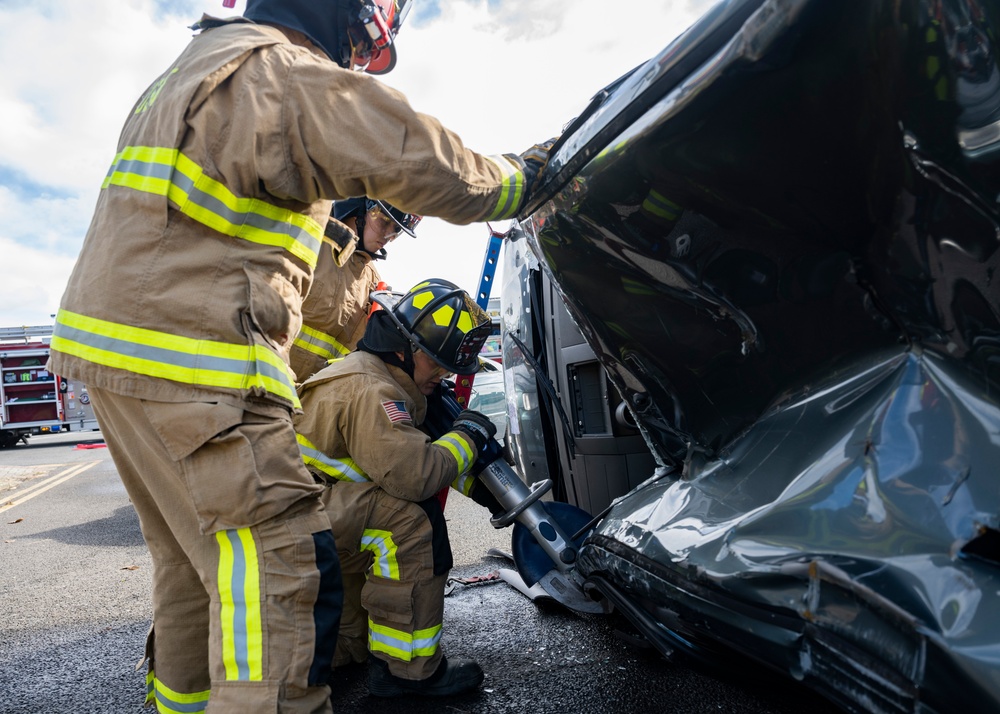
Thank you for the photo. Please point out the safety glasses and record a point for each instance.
(393, 222)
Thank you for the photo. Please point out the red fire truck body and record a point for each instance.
(33, 400)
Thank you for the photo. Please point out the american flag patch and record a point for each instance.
(396, 411)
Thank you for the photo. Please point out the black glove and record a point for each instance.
(532, 162)
(537, 156)
(477, 427)
(484, 497)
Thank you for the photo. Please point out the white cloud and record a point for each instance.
(503, 75)
(32, 283)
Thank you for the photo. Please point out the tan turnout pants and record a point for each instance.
(393, 602)
(246, 585)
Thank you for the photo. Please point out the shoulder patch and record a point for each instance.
(396, 411)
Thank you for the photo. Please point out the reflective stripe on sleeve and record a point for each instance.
(459, 448)
(383, 549)
(240, 606)
(511, 189)
(202, 363)
(169, 173)
(403, 645)
(320, 343)
(659, 205)
(340, 469)
(463, 483)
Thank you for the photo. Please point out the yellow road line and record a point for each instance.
(41, 487)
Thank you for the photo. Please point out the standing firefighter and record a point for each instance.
(335, 312)
(184, 303)
(360, 433)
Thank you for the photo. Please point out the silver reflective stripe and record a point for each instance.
(383, 549)
(400, 644)
(320, 343)
(511, 189)
(463, 484)
(202, 363)
(167, 172)
(459, 449)
(340, 469)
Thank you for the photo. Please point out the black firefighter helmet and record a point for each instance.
(441, 319)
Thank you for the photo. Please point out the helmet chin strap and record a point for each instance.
(359, 227)
(408, 364)
(359, 230)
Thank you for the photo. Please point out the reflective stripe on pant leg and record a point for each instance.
(405, 615)
(239, 596)
(403, 645)
(383, 550)
(171, 702)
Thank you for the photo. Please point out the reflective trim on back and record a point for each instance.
(202, 363)
(340, 469)
(169, 173)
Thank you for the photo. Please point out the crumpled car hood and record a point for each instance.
(780, 236)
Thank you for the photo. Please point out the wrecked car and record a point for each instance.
(751, 321)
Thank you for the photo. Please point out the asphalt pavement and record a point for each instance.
(74, 583)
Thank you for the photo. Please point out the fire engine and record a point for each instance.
(32, 399)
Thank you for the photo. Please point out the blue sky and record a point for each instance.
(503, 74)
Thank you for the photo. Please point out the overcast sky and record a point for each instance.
(503, 74)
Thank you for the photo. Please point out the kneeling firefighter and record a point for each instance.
(360, 434)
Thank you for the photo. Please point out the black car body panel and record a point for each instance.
(779, 239)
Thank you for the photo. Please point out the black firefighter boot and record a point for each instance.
(452, 677)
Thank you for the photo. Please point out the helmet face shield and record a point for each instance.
(441, 319)
(373, 32)
(405, 222)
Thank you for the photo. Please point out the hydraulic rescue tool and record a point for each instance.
(547, 534)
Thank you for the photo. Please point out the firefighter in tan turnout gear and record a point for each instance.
(360, 433)
(335, 312)
(183, 305)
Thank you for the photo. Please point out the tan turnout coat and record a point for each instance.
(190, 281)
(335, 313)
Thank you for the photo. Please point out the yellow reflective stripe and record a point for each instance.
(181, 359)
(167, 700)
(637, 287)
(345, 469)
(463, 483)
(425, 642)
(239, 598)
(383, 548)
(403, 645)
(659, 205)
(150, 687)
(169, 173)
(511, 189)
(459, 448)
(320, 343)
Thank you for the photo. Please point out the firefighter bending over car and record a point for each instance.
(335, 311)
(360, 435)
(185, 300)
